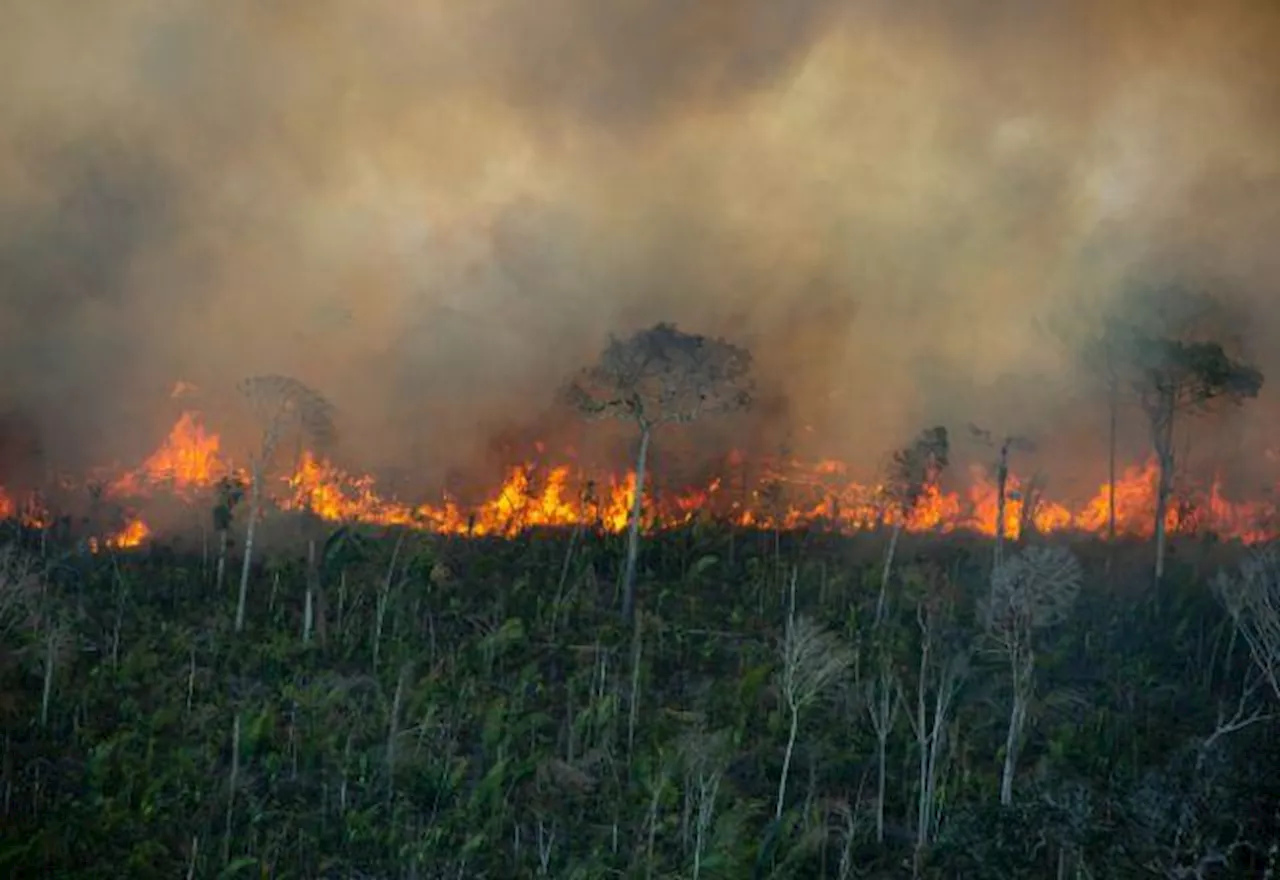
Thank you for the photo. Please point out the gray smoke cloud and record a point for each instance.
(434, 211)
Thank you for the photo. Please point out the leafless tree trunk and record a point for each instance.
(1022, 666)
(1002, 484)
(1163, 441)
(1253, 601)
(812, 660)
(633, 529)
(220, 571)
(883, 709)
(938, 682)
(1111, 460)
(255, 510)
(1030, 591)
(889, 555)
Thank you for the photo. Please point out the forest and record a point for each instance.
(386, 701)
(734, 440)
(459, 708)
(391, 701)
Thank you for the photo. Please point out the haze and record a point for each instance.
(434, 211)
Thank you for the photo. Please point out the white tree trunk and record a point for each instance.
(633, 531)
(1164, 452)
(1021, 668)
(889, 555)
(255, 504)
(786, 761)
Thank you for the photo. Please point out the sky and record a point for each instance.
(434, 212)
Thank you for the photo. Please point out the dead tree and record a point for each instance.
(280, 405)
(1009, 444)
(1176, 378)
(1030, 591)
(813, 659)
(654, 377)
(1107, 357)
(942, 668)
(914, 468)
(1252, 598)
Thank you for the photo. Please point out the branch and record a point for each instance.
(1237, 722)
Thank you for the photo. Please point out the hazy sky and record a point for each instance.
(432, 211)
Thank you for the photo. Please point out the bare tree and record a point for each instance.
(1176, 378)
(913, 469)
(1106, 356)
(705, 758)
(1010, 443)
(942, 668)
(813, 659)
(280, 405)
(882, 707)
(1032, 590)
(1252, 598)
(654, 377)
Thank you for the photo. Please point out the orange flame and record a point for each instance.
(790, 495)
(187, 461)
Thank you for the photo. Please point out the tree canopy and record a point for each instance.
(1175, 375)
(662, 374)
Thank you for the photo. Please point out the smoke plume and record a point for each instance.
(434, 211)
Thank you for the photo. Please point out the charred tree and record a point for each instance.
(654, 377)
(1006, 446)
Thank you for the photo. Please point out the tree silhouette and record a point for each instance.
(1006, 445)
(1107, 356)
(280, 404)
(654, 377)
(1175, 377)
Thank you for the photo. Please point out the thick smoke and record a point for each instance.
(434, 211)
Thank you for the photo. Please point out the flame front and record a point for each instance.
(791, 494)
(188, 461)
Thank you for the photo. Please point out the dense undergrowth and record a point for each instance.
(460, 709)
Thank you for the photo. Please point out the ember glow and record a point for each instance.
(789, 494)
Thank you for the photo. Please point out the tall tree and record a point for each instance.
(1100, 332)
(1107, 357)
(280, 404)
(1176, 377)
(655, 377)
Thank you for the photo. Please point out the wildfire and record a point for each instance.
(190, 462)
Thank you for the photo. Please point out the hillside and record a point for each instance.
(456, 708)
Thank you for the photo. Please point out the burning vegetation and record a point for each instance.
(783, 493)
(662, 375)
